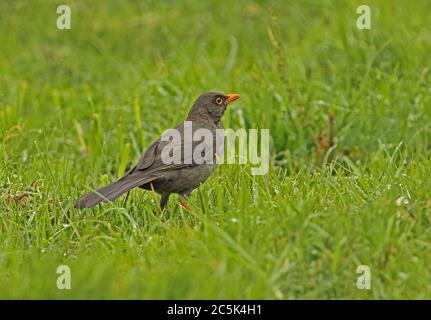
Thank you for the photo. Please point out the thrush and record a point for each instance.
(153, 172)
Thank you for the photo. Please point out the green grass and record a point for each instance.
(77, 107)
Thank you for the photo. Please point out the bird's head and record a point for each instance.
(211, 105)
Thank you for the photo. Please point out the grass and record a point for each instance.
(77, 107)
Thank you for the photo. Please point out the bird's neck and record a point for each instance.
(203, 117)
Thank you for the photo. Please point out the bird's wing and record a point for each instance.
(148, 157)
(152, 162)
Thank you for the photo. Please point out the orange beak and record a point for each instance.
(231, 98)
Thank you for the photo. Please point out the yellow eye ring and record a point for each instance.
(219, 100)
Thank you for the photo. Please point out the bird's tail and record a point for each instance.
(111, 191)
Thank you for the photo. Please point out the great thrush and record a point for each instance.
(181, 177)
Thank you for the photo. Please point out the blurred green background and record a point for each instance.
(349, 116)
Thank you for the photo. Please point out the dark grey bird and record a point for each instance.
(183, 176)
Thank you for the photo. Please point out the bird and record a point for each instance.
(180, 177)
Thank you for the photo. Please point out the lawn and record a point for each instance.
(349, 117)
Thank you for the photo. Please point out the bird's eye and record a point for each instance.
(219, 100)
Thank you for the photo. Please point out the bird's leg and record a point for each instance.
(163, 202)
(185, 205)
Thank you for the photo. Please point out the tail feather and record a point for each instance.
(111, 191)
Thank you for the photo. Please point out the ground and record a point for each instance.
(348, 112)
